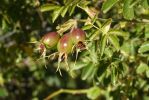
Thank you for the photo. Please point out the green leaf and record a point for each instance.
(125, 48)
(119, 33)
(78, 65)
(3, 92)
(98, 23)
(48, 7)
(113, 75)
(87, 27)
(106, 26)
(145, 4)
(72, 8)
(56, 13)
(5, 26)
(144, 47)
(147, 73)
(93, 93)
(84, 3)
(88, 71)
(146, 31)
(103, 44)
(95, 35)
(108, 52)
(66, 26)
(108, 4)
(128, 10)
(142, 68)
(115, 41)
(64, 11)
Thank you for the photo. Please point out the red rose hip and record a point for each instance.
(64, 48)
(77, 35)
(50, 39)
(65, 44)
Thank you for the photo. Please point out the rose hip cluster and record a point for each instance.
(68, 43)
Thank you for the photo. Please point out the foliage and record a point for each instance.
(115, 64)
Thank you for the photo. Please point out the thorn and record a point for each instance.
(73, 48)
(59, 61)
(66, 62)
(76, 56)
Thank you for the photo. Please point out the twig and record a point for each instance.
(3, 37)
(80, 91)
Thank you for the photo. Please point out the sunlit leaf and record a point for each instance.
(103, 44)
(142, 68)
(56, 13)
(93, 93)
(87, 27)
(72, 8)
(106, 26)
(108, 4)
(64, 11)
(48, 7)
(144, 47)
(119, 33)
(128, 10)
(115, 41)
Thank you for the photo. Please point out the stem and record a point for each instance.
(69, 91)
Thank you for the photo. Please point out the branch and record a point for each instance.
(69, 91)
(6, 35)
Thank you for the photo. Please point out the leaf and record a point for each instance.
(72, 8)
(125, 48)
(93, 93)
(3, 92)
(66, 26)
(128, 10)
(84, 3)
(64, 11)
(144, 47)
(87, 27)
(56, 13)
(113, 75)
(98, 23)
(95, 35)
(5, 26)
(108, 4)
(142, 68)
(103, 44)
(88, 71)
(106, 26)
(115, 41)
(145, 4)
(147, 73)
(146, 31)
(119, 33)
(108, 52)
(78, 65)
(48, 7)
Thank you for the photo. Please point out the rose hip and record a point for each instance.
(77, 35)
(64, 47)
(50, 40)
